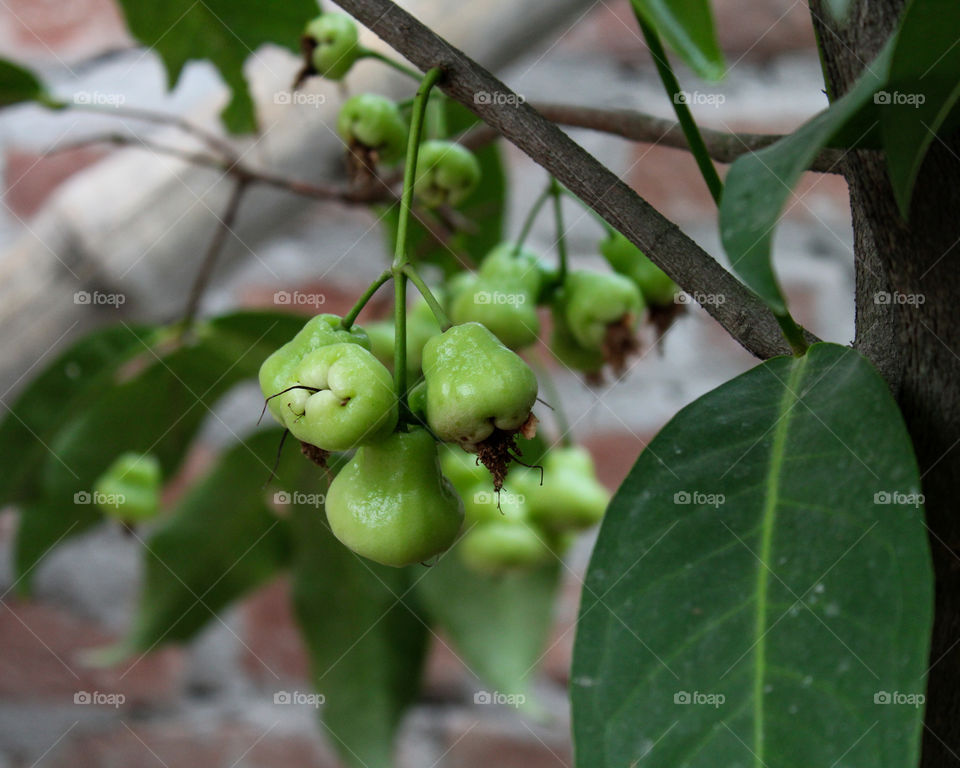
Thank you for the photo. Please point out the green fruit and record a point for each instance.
(391, 504)
(347, 398)
(475, 384)
(277, 371)
(130, 488)
(374, 123)
(461, 468)
(447, 173)
(592, 301)
(503, 296)
(336, 49)
(571, 497)
(656, 286)
(567, 349)
(503, 545)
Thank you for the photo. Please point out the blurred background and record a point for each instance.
(84, 216)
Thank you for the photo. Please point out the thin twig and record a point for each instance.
(224, 225)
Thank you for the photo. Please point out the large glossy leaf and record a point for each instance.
(154, 403)
(18, 85)
(484, 209)
(923, 87)
(759, 184)
(761, 590)
(226, 32)
(365, 639)
(687, 25)
(221, 541)
(498, 624)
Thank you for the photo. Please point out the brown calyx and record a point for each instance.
(619, 344)
(317, 455)
(307, 44)
(500, 448)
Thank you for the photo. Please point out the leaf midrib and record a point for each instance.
(787, 401)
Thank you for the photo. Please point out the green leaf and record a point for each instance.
(751, 555)
(499, 624)
(18, 85)
(365, 639)
(923, 88)
(60, 391)
(154, 403)
(485, 208)
(221, 542)
(758, 184)
(226, 32)
(687, 25)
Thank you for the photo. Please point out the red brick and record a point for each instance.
(271, 635)
(41, 659)
(614, 453)
(479, 744)
(54, 29)
(29, 179)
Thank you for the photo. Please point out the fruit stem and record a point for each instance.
(366, 53)
(672, 86)
(400, 255)
(532, 215)
(351, 316)
(793, 333)
(411, 271)
(556, 191)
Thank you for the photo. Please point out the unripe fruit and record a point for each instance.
(277, 371)
(130, 488)
(571, 497)
(595, 300)
(347, 398)
(462, 468)
(656, 286)
(447, 173)
(474, 385)
(335, 51)
(391, 504)
(500, 546)
(503, 296)
(375, 124)
(567, 349)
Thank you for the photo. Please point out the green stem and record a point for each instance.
(556, 191)
(411, 272)
(366, 53)
(690, 130)
(793, 333)
(532, 216)
(351, 316)
(400, 259)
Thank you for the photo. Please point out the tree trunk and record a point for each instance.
(916, 346)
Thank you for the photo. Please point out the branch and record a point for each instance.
(649, 129)
(740, 312)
